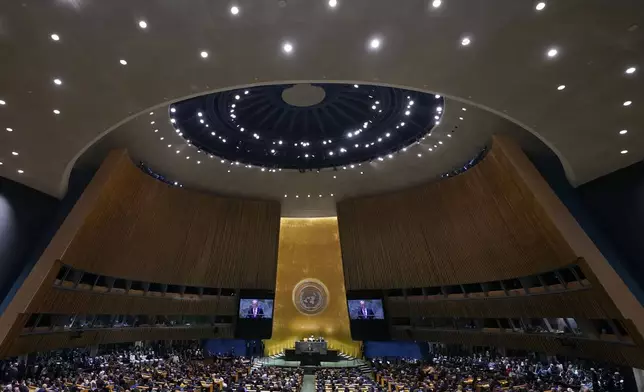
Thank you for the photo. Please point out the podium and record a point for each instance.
(306, 347)
(311, 353)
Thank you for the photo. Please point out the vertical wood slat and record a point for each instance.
(143, 229)
(482, 225)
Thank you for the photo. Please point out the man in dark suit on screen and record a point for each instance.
(255, 310)
(365, 312)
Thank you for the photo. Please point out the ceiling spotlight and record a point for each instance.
(20, 171)
(420, 155)
(439, 109)
(56, 111)
(540, 6)
(407, 113)
(355, 86)
(333, 3)
(203, 54)
(199, 114)
(466, 41)
(287, 47)
(152, 122)
(123, 62)
(58, 82)
(234, 10)
(55, 37)
(624, 152)
(9, 130)
(552, 52)
(436, 118)
(172, 110)
(156, 130)
(162, 138)
(630, 70)
(388, 134)
(143, 24)
(437, 3)
(375, 43)
(237, 97)
(437, 96)
(561, 87)
(2, 102)
(464, 109)
(460, 118)
(628, 103)
(172, 120)
(246, 92)
(14, 153)
(373, 107)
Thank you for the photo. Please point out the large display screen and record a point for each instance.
(251, 308)
(366, 309)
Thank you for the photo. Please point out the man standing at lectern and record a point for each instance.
(365, 313)
(255, 310)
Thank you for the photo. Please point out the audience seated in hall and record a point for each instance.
(344, 380)
(488, 373)
(142, 370)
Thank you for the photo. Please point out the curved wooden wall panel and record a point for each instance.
(52, 341)
(143, 229)
(579, 304)
(482, 225)
(65, 301)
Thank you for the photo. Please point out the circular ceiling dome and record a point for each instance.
(306, 126)
(303, 95)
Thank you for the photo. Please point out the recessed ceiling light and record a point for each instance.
(56, 111)
(624, 152)
(437, 96)
(552, 52)
(161, 138)
(234, 10)
(623, 132)
(628, 103)
(151, 113)
(561, 87)
(333, 3)
(437, 3)
(20, 171)
(466, 41)
(203, 54)
(152, 122)
(355, 86)
(420, 155)
(123, 62)
(143, 24)
(464, 109)
(460, 118)
(540, 6)
(375, 43)
(58, 82)
(9, 130)
(407, 113)
(172, 110)
(14, 153)
(169, 145)
(287, 47)
(55, 37)
(630, 70)
(156, 130)
(2, 102)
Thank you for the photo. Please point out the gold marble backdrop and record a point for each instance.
(309, 249)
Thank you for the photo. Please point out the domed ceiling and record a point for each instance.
(306, 126)
(82, 75)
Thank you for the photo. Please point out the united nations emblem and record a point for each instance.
(310, 296)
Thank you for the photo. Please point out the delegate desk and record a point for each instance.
(308, 347)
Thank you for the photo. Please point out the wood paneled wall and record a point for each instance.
(143, 229)
(585, 303)
(616, 353)
(482, 225)
(51, 341)
(66, 301)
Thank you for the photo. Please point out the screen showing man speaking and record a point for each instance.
(255, 308)
(366, 309)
